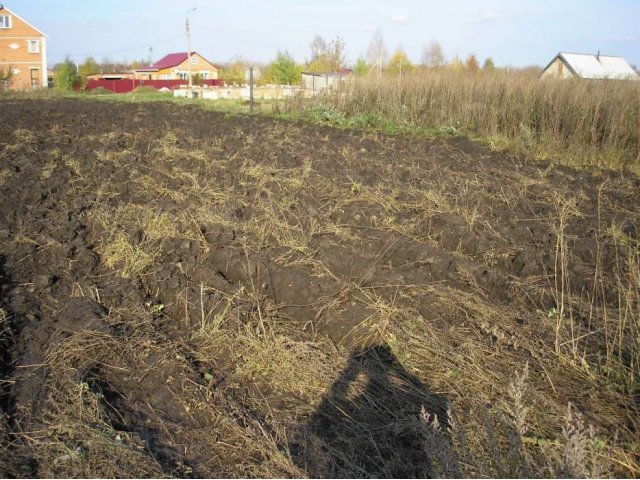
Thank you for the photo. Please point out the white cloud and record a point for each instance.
(366, 27)
(489, 17)
(622, 38)
(400, 19)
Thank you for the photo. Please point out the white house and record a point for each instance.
(587, 66)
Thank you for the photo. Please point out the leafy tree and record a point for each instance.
(234, 72)
(109, 66)
(399, 62)
(283, 69)
(197, 79)
(326, 56)
(488, 65)
(433, 56)
(472, 65)
(377, 52)
(456, 64)
(361, 67)
(65, 77)
(5, 77)
(137, 64)
(89, 67)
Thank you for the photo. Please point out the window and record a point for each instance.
(205, 75)
(34, 46)
(5, 21)
(35, 77)
(194, 60)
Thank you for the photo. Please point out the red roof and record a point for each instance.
(171, 60)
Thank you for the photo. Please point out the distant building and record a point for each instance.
(317, 82)
(110, 76)
(23, 51)
(175, 66)
(592, 67)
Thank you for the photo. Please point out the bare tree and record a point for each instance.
(319, 49)
(326, 56)
(432, 55)
(377, 53)
(336, 54)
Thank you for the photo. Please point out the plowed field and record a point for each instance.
(185, 293)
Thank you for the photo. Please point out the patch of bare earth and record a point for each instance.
(190, 294)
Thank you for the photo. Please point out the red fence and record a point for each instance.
(126, 86)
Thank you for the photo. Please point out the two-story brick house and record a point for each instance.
(23, 51)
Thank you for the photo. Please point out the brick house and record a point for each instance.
(175, 66)
(23, 51)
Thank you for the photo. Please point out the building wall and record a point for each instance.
(14, 54)
(317, 83)
(202, 66)
(557, 70)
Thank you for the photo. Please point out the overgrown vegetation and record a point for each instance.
(5, 78)
(582, 123)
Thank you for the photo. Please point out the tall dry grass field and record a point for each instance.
(580, 122)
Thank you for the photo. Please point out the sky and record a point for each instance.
(512, 32)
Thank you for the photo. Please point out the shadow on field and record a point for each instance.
(369, 424)
(6, 368)
(6, 342)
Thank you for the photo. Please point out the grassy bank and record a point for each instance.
(581, 123)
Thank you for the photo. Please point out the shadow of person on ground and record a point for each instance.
(369, 424)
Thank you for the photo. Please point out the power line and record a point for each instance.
(115, 51)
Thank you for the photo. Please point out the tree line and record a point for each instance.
(325, 56)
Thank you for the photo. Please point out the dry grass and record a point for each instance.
(584, 123)
(5, 335)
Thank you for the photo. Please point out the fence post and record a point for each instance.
(251, 90)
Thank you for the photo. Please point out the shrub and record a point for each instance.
(99, 91)
(65, 78)
(147, 91)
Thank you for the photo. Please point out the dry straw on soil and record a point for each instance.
(250, 297)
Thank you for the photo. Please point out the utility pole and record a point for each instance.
(189, 47)
(150, 51)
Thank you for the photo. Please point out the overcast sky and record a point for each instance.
(517, 33)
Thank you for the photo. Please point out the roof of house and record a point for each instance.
(597, 66)
(168, 61)
(2, 7)
(340, 73)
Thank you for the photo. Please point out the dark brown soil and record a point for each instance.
(427, 272)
